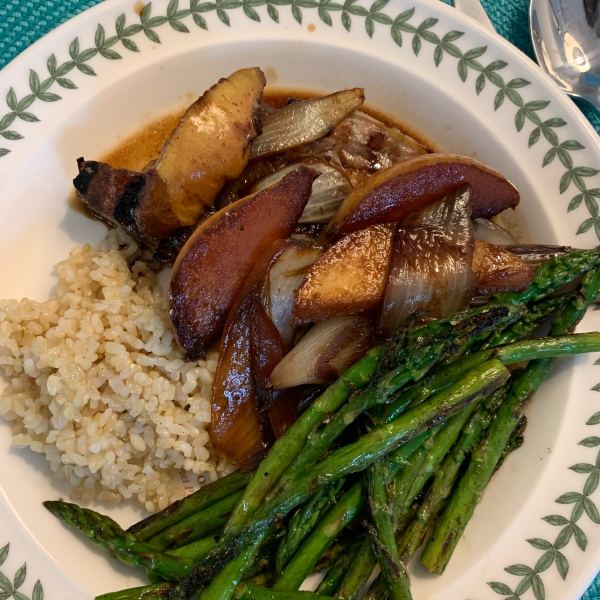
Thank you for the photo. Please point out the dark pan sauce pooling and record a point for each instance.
(143, 146)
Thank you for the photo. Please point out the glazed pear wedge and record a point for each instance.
(210, 146)
(245, 425)
(238, 428)
(213, 265)
(349, 279)
(393, 193)
(351, 276)
(498, 271)
(212, 143)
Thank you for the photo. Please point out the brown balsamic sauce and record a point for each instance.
(143, 146)
(278, 97)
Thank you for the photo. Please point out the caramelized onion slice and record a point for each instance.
(452, 215)
(325, 352)
(488, 231)
(431, 268)
(328, 190)
(306, 121)
(284, 277)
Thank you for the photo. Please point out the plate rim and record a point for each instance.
(108, 7)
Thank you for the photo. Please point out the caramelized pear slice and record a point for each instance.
(212, 143)
(214, 263)
(498, 271)
(238, 428)
(393, 193)
(349, 278)
(246, 410)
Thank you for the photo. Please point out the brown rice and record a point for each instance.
(97, 383)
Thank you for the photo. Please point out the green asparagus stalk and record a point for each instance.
(287, 447)
(195, 551)
(350, 459)
(105, 532)
(265, 579)
(553, 346)
(536, 314)
(381, 440)
(264, 563)
(514, 442)
(470, 489)
(377, 590)
(382, 532)
(333, 554)
(464, 500)
(333, 578)
(161, 590)
(434, 382)
(248, 591)
(243, 591)
(403, 483)
(199, 500)
(302, 523)
(359, 571)
(572, 313)
(563, 345)
(153, 592)
(223, 585)
(425, 345)
(446, 477)
(401, 487)
(550, 276)
(347, 508)
(197, 525)
(363, 559)
(442, 443)
(401, 457)
(519, 330)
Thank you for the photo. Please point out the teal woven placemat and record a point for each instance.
(22, 22)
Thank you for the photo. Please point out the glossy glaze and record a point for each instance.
(349, 278)
(213, 265)
(212, 143)
(394, 193)
(497, 270)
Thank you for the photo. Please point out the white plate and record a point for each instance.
(484, 99)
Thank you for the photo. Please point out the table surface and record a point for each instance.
(22, 22)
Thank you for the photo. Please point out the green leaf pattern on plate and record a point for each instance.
(569, 532)
(543, 130)
(574, 177)
(528, 117)
(10, 586)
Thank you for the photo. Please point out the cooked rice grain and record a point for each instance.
(97, 382)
